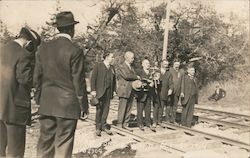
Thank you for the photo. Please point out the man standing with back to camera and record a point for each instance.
(17, 65)
(63, 100)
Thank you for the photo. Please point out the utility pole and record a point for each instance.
(165, 43)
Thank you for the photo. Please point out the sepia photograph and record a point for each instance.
(125, 79)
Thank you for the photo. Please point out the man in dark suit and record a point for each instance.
(145, 96)
(59, 73)
(16, 83)
(177, 75)
(218, 94)
(189, 96)
(126, 75)
(102, 88)
(165, 90)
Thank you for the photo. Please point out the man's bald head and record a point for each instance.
(129, 57)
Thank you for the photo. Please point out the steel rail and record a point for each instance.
(210, 136)
(138, 137)
(223, 112)
(221, 122)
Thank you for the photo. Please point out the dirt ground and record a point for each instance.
(88, 145)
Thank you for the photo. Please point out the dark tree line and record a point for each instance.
(197, 31)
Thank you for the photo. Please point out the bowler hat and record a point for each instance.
(137, 85)
(30, 34)
(65, 18)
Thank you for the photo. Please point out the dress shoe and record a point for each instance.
(107, 131)
(119, 125)
(161, 125)
(141, 128)
(126, 128)
(154, 125)
(152, 128)
(98, 132)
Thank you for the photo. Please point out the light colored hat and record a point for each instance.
(137, 85)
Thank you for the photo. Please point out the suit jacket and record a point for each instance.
(166, 83)
(187, 87)
(177, 78)
(125, 77)
(59, 74)
(16, 82)
(98, 80)
(147, 90)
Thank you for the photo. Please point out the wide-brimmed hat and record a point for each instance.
(65, 18)
(137, 85)
(30, 34)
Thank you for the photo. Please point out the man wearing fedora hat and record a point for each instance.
(17, 64)
(59, 73)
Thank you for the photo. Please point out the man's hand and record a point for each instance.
(93, 93)
(151, 84)
(138, 77)
(182, 95)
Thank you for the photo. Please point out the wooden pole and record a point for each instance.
(165, 43)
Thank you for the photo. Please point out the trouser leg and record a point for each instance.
(122, 110)
(147, 110)
(175, 106)
(99, 113)
(45, 146)
(140, 107)
(190, 111)
(3, 137)
(128, 109)
(184, 115)
(106, 105)
(15, 140)
(64, 139)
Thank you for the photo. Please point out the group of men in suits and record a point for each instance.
(163, 93)
(56, 71)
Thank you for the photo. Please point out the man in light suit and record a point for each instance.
(166, 89)
(17, 65)
(59, 73)
(189, 96)
(102, 88)
(126, 75)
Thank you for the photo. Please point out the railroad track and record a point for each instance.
(177, 139)
(224, 119)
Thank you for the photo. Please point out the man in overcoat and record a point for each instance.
(126, 75)
(177, 75)
(59, 74)
(102, 87)
(189, 96)
(17, 65)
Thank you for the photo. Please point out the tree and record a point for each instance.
(5, 35)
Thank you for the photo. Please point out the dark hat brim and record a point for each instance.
(64, 25)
